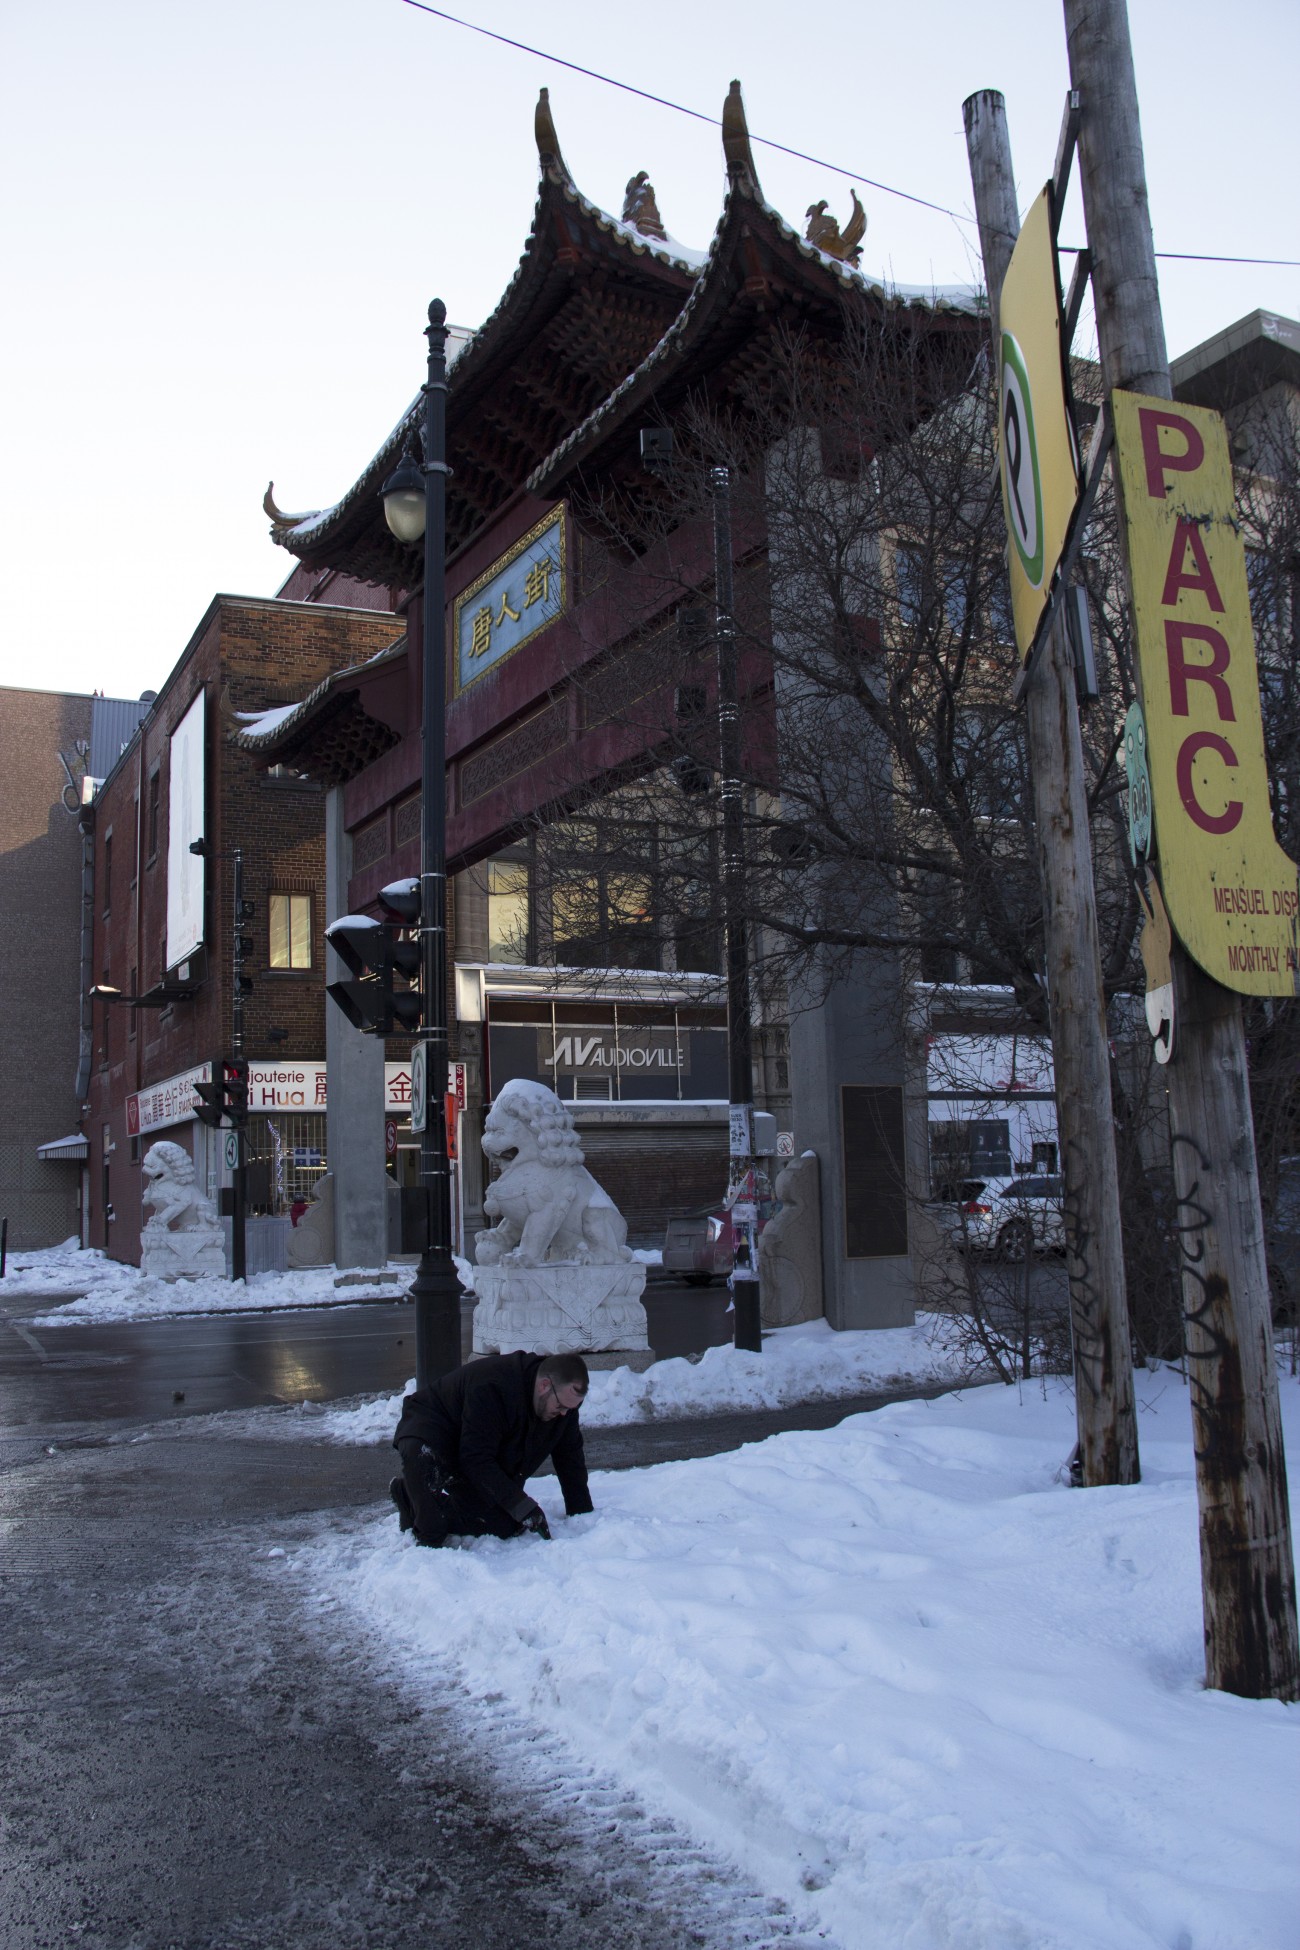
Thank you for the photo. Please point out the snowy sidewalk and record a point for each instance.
(912, 1684)
(107, 1290)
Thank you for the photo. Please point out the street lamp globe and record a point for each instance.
(404, 505)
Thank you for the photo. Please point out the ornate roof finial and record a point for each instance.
(640, 208)
(548, 142)
(735, 140)
(824, 233)
(278, 518)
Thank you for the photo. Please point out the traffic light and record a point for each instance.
(235, 1088)
(227, 1093)
(382, 995)
(211, 1104)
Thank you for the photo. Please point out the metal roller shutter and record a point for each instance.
(654, 1175)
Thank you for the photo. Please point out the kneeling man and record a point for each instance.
(470, 1441)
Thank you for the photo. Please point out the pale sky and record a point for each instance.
(223, 225)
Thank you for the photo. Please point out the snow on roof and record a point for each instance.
(259, 722)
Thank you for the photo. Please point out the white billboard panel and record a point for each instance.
(185, 802)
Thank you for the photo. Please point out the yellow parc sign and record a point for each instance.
(1230, 891)
(1035, 438)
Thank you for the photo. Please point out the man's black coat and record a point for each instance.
(479, 1423)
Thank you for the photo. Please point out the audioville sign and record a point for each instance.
(596, 1052)
(1230, 891)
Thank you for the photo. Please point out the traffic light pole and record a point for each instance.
(436, 1290)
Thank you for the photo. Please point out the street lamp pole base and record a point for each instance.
(436, 1294)
(747, 1332)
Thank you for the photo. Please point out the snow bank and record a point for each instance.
(798, 1364)
(111, 1291)
(897, 1672)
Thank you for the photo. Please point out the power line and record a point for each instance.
(800, 155)
(696, 115)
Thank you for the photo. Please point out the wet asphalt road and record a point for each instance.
(84, 1372)
(195, 1756)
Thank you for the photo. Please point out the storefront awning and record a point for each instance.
(70, 1148)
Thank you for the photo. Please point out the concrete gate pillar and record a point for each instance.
(846, 1086)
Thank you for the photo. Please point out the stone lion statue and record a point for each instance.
(182, 1239)
(546, 1203)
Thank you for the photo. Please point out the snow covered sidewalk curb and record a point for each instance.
(798, 1364)
(113, 1291)
(897, 1672)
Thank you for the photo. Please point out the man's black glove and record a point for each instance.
(536, 1522)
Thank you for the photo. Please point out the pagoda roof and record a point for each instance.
(759, 274)
(591, 296)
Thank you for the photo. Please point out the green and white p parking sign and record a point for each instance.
(1022, 484)
(1036, 445)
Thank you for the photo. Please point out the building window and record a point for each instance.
(507, 897)
(107, 892)
(290, 924)
(155, 789)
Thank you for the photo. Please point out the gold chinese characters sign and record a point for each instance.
(1230, 890)
(1036, 444)
(511, 602)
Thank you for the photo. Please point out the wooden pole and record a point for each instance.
(1103, 1362)
(1247, 1568)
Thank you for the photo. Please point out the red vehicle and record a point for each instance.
(699, 1248)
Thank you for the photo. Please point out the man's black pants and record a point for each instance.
(444, 1505)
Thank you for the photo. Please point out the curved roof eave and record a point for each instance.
(289, 727)
(302, 533)
(673, 347)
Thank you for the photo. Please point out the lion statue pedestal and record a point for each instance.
(183, 1238)
(554, 1274)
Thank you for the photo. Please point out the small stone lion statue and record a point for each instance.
(547, 1204)
(182, 1239)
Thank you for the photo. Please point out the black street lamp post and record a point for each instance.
(743, 1175)
(436, 1290)
(742, 1193)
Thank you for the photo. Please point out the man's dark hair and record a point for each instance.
(566, 1371)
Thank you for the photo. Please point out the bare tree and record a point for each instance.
(889, 814)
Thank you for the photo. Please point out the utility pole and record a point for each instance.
(1103, 1362)
(1247, 1568)
(742, 1189)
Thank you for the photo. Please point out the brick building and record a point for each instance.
(162, 916)
(50, 741)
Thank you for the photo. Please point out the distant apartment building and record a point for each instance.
(51, 744)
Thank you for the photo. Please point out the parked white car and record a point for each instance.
(1008, 1216)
